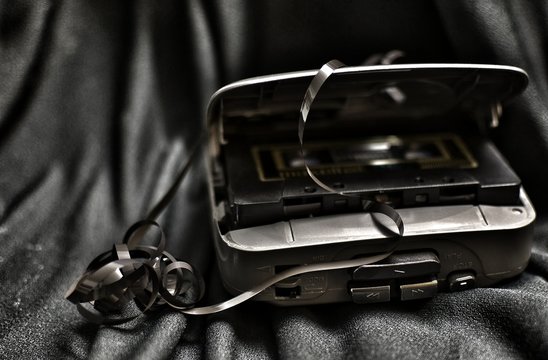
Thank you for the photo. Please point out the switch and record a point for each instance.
(420, 290)
(370, 294)
(461, 281)
(400, 265)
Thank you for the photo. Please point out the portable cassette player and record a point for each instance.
(413, 137)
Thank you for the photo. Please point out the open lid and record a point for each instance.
(363, 95)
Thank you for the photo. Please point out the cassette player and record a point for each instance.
(414, 137)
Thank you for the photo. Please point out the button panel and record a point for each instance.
(404, 275)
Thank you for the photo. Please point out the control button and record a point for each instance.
(400, 265)
(461, 281)
(370, 294)
(419, 290)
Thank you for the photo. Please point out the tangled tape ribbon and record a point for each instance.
(152, 278)
(147, 274)
(313, 89)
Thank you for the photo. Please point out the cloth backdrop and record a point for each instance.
(99, 103)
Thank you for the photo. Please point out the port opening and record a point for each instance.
(287, 292)
(280, 268)
(458, 194)
(296, 207)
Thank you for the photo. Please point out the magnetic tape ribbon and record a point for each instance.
(151, 277)
(313, 89)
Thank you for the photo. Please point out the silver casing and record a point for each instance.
(491, 242)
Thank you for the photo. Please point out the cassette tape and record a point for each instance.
(414, 137)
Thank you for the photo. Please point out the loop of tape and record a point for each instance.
(145, 274)
(152, 278)
(313, 89)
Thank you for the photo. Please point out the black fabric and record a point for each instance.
(99, 102)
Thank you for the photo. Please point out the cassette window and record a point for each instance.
(282, 161)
